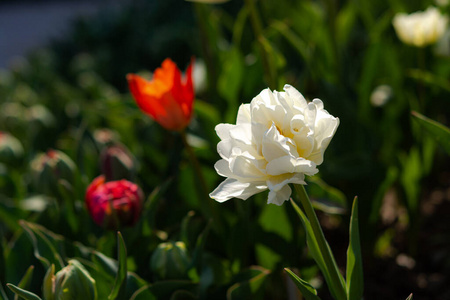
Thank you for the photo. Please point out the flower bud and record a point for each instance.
(39, 115)
(11, 149)
(117, 163)
(170, 260)
(105, 137)
(49, 168)
(71, 282)
(114, 204)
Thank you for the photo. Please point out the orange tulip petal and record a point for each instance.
(165, 98)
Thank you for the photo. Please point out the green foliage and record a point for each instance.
(306, 289)
(72, 97)
(354, 276)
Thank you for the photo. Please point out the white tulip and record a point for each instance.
(420, 28)
(278, 138)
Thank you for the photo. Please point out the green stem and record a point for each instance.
(321, 241)
(269, 68)
(206, 203)
(421, 58)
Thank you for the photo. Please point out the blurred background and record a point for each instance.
(63, 86)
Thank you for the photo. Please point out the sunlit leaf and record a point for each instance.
(305, 288)
(314, 249)
(354, 277)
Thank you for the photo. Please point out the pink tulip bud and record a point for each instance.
(114, 204)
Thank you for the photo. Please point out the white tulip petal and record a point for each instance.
(279, 138)
(244, 115)
(275, 145)
(289, 164)
(246, 168)
(276, 183)
(296, 96)
(223, 168)
(420, 28)
(280, 196)
(223, 130)
(242, 133)
(232, 188)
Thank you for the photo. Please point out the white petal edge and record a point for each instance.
(232, 188)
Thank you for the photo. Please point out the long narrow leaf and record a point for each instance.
(120, 284)
(23, 293)
(25, 280)
(314, 249)
(440, 132)
(47, 285)
(3, 295)
(355, 284)
(45, 244)
(305, 288)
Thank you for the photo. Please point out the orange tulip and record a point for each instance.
(166, 98)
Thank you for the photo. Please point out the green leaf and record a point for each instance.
(305, 288)
(251, 288)
(410, 297)
(164, 289)
(230, 81)
(3, 295)
(150, 206)
(183, 295)
(120, 283)
(107, 266)
(143, 294)
(45, 244)
(314, 249)
(355, 283)
(23, 293)
(410, 178)
(138, 288)
(345, 22)
(325, 197)
(197, 254)
(429, 78)
(440, 132)
(47, 285)
(24, 282)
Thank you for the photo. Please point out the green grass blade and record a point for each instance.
(23, 293)
(355, 284)
(120, 284)
(25, 280)
(314, 249)
(308, 292)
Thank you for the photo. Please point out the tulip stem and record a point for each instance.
(321, 241)
(209, 209)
